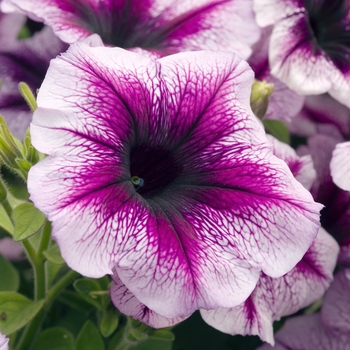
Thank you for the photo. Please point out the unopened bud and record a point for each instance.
(259, 98)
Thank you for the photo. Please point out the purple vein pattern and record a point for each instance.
(273, 298)
(166, 26)
(159, 172)
(310, 44)
(327, 330)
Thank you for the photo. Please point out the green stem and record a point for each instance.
(39, 270)
(31, 331)
(61, 284)
(45, 239)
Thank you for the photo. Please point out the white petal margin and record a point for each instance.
(340, 165)
(298, 63)
(128, 304)
(271, 11)
(3, 342)
(302, 167)
(277, 297)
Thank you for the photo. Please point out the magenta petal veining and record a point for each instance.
(165, 26)
(159, 172)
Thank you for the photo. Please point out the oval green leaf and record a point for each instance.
(89, 338)
(9, 281)
(16, 311)
(56, 338)
(109, 323)
(28, 220)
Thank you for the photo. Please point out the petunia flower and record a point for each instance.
(22, 60)
(273, 298)
(10, 249)
(159, 172)
(326, 330)
(310, 45)
(284, 103)
(3, 342)
(165, 26)
(340, 165)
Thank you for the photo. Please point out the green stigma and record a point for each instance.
(137, 181)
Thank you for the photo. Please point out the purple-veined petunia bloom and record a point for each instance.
(322, 114)
(165, 26)
(159, 173)
(284, 103)
(273, 298)
(310, 44)
(327, 330)
(22, 60)
(340, 165)
(3, 342)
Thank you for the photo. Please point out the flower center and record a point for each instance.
(327, 21)
(153, 170)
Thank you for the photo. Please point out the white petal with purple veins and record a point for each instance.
(164, 26)
(128, 304)
(277, 297)
(214, 207)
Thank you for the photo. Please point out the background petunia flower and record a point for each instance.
(340, 165)
(11, 250)
(309, 47)
(22, 60)
(327, 330)
(273, 298)
(3, 342)
(167, 26)
(284, 103)
(159, 172)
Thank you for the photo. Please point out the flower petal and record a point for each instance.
(307, 332)
(128, 304)
(168, 26)
(3, 342)
(284, 103)
(301, 167)
(271, 11)
(203, 241)
(277, 297)
(340, 165)
(294, 61)
(335, 311)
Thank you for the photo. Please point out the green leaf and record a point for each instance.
(53, 254)
(55, 339)
(5, 221)
(162, 334)
(109, 323)
(278, 129)
(89, 338)
(9, 280)
(153, 345)
(28, 221)
(16, 311)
